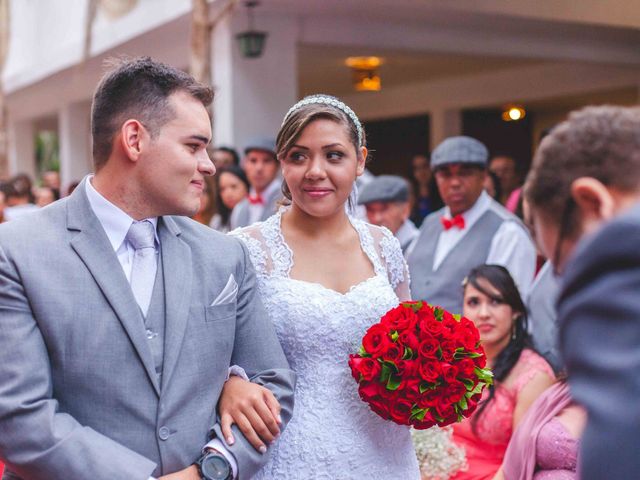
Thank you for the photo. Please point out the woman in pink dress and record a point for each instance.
(545, 444)
(492, 302)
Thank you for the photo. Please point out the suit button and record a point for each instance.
(164, 433)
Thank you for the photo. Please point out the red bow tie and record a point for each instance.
(255, 200)
(457, 221)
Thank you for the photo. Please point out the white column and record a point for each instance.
(444, 123)
(22, 151)
(74, 134)
(252, 94)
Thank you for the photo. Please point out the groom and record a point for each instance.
(118, 321)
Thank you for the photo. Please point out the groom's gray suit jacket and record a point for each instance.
(80, 397)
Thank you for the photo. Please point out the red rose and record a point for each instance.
(469, 333)
(428, 348)
(412, 389)
(399, 318)
(409, 338)
(408, 368)
(448, 348)
(480, 361)
(449, 372)
(376, 340)
(429, 370)
(466, 367)
(366, 367)
(427, 422)
(393, 352)
(443, 407)
(449, 323)
(455, 392)
(400, 411)
(430, 325)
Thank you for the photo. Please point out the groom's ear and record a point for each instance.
(133, 138)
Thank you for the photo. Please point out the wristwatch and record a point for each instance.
(213, 465)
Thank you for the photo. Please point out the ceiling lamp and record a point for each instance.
(251, 42)
(513, 113)
(365, 73)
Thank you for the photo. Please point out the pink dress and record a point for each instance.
(485, 450)
(556, 452)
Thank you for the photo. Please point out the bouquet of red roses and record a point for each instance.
(421, 366)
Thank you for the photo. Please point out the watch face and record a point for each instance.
(215, 467)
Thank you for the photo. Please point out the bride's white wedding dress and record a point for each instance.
(333, 434)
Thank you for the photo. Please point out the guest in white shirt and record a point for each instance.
(472, 229)
(261, 166)
(386, 199)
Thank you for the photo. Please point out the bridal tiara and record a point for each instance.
(328, 100)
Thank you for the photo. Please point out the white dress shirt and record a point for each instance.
(511, 246)
(256, 210)
(116, 223)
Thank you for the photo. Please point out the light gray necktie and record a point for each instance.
(141, 236)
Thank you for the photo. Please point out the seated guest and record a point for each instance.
(260, 163)
(232, 187)
(492, 302)
(545, 444)
(386, 199)
(470, 230)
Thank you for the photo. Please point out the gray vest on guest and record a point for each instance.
(155, 321)
(541, 304)
(443, 287)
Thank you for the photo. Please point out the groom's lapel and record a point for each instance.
(177, 268)
(93, 247)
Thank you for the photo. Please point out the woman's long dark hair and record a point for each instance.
(499, 278)
(223, 210)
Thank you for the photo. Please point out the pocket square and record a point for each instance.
(228, 293)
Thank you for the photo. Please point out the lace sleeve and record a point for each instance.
(256, 252)
(396, 266)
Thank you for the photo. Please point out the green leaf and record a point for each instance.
(418, 413)
(413, 306)
(463, 403)
(468, 383)
(391, 365)
(408, 353)
(394, 382)
(385, 373)
(436, 416)
(484, 375)
(394, 335)
(438, 313)
(362, 352)
(457, 316)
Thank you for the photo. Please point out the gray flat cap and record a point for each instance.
(459, 150)
(264, 144)
(385, 188)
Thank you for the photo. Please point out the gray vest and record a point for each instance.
(541, 305)
(443, 287)
(155, 321)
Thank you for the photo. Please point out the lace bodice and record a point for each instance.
(333, 434)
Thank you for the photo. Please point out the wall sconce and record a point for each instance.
(251, 42)
(364, 73)
(513, 113)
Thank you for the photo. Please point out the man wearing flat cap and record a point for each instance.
(471, 229)
(386, 199)
(262, 169)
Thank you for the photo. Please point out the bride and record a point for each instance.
(325, 277)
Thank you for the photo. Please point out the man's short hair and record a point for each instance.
(597, 142)
(137, 88)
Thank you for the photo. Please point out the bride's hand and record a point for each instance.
(253, 408)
